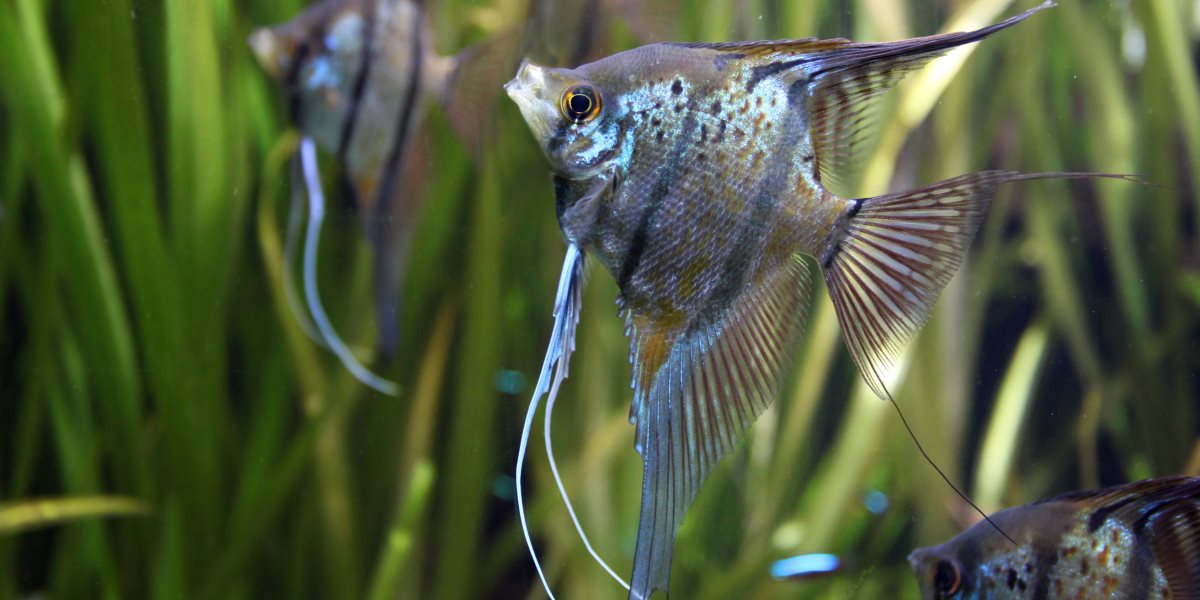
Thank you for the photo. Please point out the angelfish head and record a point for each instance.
(316, 57)
(574, 120)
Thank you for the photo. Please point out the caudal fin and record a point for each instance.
(896, 252)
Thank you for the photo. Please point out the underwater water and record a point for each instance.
(167, 429)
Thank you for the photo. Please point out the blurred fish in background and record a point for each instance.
(1139, 540)
(359, 75)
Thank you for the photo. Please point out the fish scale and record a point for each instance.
(699, 175)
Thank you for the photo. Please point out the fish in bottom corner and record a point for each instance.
(1134, 541)
(699, 174)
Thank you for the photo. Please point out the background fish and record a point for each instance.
(698, 174)
(358, 75)
(1139, 540)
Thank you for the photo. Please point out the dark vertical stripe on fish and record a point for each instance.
(360, 82)
(391, 167)
(836, 246)
(292, 86)
(662, 186)
(1044, 559)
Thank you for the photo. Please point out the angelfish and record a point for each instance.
(1139, 540)
(359, 75)
(698, 174)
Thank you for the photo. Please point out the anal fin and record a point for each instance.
(713, 383)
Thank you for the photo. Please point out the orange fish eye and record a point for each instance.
(946, 577)
(580, 104)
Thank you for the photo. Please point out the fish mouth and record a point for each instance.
(527, 90)
(524, 88)
(268, 50)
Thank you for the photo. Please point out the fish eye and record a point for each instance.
(946, 577)
(580, 104)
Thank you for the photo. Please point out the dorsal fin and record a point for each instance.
(847, 83)
(696, 393)
(846, 80)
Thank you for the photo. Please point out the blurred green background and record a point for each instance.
(166, 431)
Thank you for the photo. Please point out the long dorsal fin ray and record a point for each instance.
(696, 394)
(847, 83)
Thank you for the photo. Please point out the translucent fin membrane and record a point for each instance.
(692, 411)
(308, 158)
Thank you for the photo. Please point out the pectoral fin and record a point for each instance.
(696, 393)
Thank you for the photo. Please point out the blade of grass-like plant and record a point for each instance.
(402, 536)
(998, 451)
(393, 565)
(1046, 221)
(34, 513)
(834, 488)
(471, 430)
(1111, 151)
(822, 346)
(262, 512)
(602, 448)
(917, 94)
(70, 214)
(123, 152)
(87, 562)
(1166, 29)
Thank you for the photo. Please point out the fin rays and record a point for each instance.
(895, 259)
(714, 383)
(847, 82)
(567, 303)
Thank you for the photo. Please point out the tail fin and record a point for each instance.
(893, 254)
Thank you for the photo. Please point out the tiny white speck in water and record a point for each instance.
(132, 14)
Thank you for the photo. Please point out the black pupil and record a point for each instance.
(945, 577)
(580, 103)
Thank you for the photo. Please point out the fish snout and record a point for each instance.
(529, 91)
(269, 50)
(513, 84)
(528, 82)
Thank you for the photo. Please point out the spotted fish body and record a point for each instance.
(699, 174)
(1140, 540)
